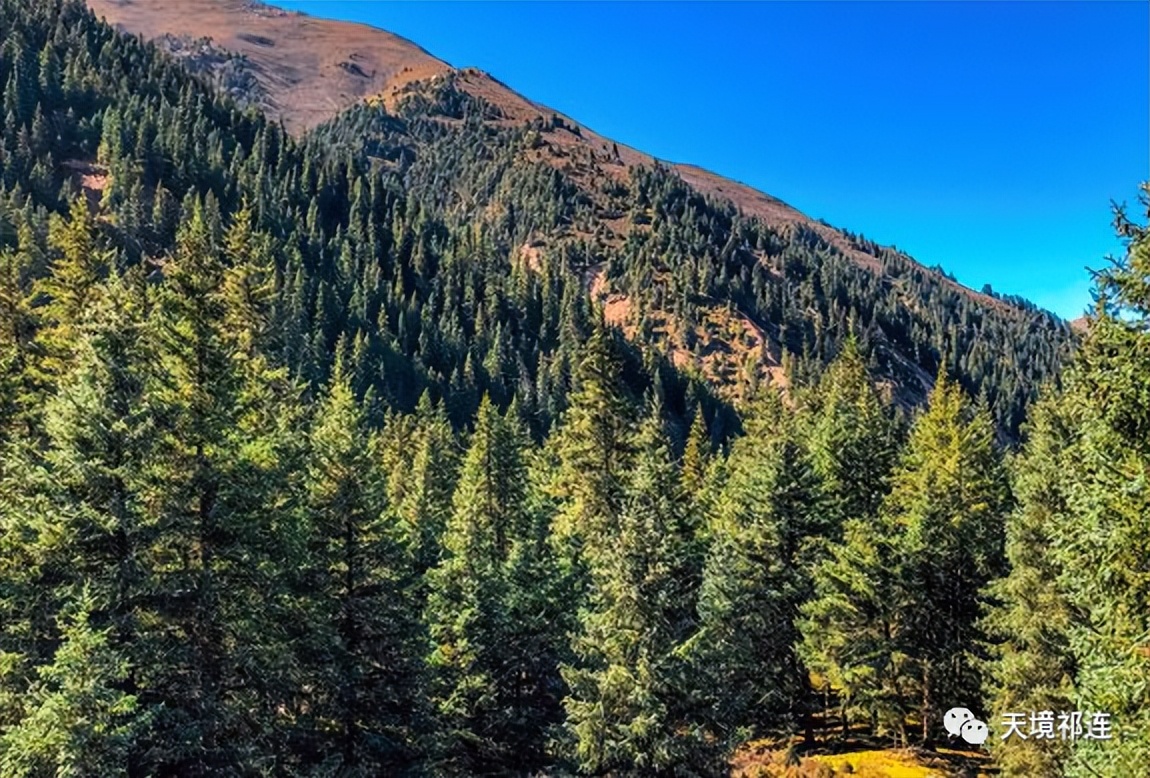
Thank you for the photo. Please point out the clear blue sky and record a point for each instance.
(988, 137)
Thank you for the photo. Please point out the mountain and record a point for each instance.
(305, 71)
(309, 73)
(298, 69)
(432, 439)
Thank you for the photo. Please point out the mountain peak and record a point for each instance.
(306, 72)
(303, 69)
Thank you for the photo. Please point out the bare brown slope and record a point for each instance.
(310, 68)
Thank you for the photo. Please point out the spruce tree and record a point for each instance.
(72, 284)
(249, 284)
(101, 433)
(908, 589)
(215, 486)
(420, 458)
(855, 634)
(755, 580)
(1033, 668)
(1102, 546)
(75, 504)
(21, 376)
(78, 720)
(949, 501)
(362, 650)
(696, 455)
(595, 446)
(625, 709)
(537, 605)
(852, 441)
(467, 611)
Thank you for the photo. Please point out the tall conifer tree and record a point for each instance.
(754, 582)
(1033, 667)
(852, 441)
(907, 590)
(213, 485)
(474, 640)
(1103, 545)
(363, 649)
(626, 708)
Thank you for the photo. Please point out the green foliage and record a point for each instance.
(754, 580)
(896, 615)
(78, 720)
(1072, 618)
(420, 457)
(853, 442)
(1102, 545)
(595, 444)
(947, 506)
(492, 617)
(21, 375)
(853, 633)
(68, 289)
(317, 458)
(1034, 669)
(626, 705)
(362, 640)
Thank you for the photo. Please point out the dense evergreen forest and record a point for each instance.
(307, 469)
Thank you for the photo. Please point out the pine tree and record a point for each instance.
(625, 710)
(362, 660)
(467, 607)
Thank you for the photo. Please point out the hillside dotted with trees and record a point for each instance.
(309, 468)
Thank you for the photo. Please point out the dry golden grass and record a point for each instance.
(857, 758)
(878, 764)
(312, 68)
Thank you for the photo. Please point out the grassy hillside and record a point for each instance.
(742, 306)
(440, 441)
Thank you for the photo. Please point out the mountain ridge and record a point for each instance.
(260, 32)
(730, 284)
(305, 441)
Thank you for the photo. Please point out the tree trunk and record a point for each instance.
(926, 706)
(350, 629)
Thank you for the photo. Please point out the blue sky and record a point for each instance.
(988, 137)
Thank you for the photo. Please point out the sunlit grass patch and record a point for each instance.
(876, 764)
(774, 759)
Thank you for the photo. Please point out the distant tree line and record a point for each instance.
(307, 470)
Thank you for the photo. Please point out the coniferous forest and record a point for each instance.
(307, 470)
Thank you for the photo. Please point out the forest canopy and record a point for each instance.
(308, 468)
